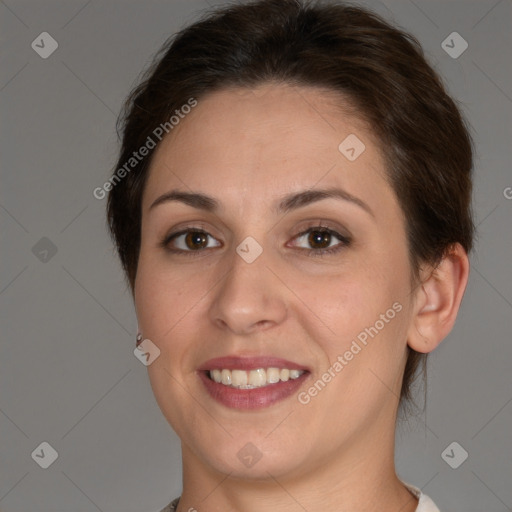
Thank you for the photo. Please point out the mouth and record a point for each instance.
(251, 383)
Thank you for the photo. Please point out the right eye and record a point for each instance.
(187, 241)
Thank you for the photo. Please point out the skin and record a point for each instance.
(335, 453)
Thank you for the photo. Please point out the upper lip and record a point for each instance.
(249, 363)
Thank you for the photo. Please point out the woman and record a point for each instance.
(291, 207)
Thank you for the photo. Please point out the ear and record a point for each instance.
(437, 300)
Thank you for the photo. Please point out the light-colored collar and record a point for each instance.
(425, 504)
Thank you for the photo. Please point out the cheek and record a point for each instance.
(365, 304)
(346, 302)
(159, 296)
(161, 304)
(171, 306)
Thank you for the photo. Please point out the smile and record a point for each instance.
(251, 382)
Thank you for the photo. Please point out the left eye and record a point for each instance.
(320, 239)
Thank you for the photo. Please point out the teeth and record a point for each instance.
(238, 378)
(226, 377)
(257, 378)
(273, 375)
(294, 374)
(242, 379)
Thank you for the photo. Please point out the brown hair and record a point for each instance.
(346, 49)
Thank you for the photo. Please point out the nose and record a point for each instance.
(249, 298)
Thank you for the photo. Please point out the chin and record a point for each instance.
(253, 460)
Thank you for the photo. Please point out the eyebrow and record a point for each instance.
(286, 204)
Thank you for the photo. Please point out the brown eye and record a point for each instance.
(196, 240)
(189, 240)
(319, 239)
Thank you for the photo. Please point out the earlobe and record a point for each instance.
(438, 300)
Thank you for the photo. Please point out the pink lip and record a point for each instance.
(250, 399)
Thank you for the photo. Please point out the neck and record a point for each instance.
(358, 476)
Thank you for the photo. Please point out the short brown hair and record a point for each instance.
(347, 49)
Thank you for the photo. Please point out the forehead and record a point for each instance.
(268, 141)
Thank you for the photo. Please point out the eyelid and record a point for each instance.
(323, 225)
(185, 227)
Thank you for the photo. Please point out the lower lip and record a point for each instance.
(256, 398)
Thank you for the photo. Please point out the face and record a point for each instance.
(298, 302)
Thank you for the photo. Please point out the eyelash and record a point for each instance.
(345, 241)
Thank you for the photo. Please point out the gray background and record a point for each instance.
(68, 375)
